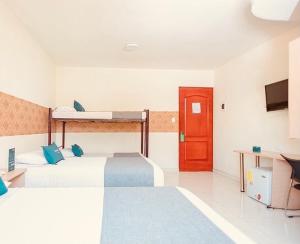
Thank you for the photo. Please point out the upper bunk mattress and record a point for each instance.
(129, 115)
(81, 115)
(100, 115)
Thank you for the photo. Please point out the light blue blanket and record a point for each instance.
(128, 171)
(160, 215)
(132, 154)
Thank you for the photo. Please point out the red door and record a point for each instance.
(195, 129)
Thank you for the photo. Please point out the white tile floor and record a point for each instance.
(262, 225)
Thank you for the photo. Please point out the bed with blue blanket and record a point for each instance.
(131, 215)
(119, 170)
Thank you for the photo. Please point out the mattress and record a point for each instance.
(127, 154)
(73, 115)
(78, 216)
(76, 172)
(81, 115)
(129, 115)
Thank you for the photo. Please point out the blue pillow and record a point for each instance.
(77, 150)
(3, 188)
(52, 154)
(78, 107)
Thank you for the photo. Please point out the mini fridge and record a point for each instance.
(259, 184)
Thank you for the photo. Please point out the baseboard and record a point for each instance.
(233, 177)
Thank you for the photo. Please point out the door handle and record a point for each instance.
(182, 136)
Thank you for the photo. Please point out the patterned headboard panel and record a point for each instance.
(20, 117)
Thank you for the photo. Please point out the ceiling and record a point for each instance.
(172, 34)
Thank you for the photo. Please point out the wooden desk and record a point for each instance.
(280, 176)
(15, 177)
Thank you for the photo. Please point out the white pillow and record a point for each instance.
(33, 158)
(67, 153)
(65, 109)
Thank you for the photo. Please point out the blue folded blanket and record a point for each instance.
(132, 154)
(128, 171)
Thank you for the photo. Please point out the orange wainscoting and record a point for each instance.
(20, 117)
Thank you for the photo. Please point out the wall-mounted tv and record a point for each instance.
(277, 95)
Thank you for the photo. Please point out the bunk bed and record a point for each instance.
(116, 170)
(141, 117)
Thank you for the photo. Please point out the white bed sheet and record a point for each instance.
(72, 215)
(159, 176)
(75, 172)
(72, 172)
(97, 154)
(51, 216)
(81, 115)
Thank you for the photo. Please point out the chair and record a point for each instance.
(295, 177)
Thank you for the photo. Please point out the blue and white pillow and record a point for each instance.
(52, 154)
(77, 150)
(78, 106)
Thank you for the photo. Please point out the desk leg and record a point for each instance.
(242, 173)
(257, 161)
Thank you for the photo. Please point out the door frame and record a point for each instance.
(212, 129)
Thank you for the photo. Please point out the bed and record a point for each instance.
(96, 215)
(91, 171)
(66, 114)
(99, 115)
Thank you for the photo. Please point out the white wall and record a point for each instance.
(245, 123)
(121, 89)
(163, 146)
(127, 89)
(294, 88)
(27, 72)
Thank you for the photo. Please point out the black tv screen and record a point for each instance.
(277, 95)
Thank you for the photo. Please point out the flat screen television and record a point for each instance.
(277, 95)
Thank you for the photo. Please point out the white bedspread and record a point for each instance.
(71, 215)
(51, 216)
(75, 172)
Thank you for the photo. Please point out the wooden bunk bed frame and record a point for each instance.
(143, 122)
